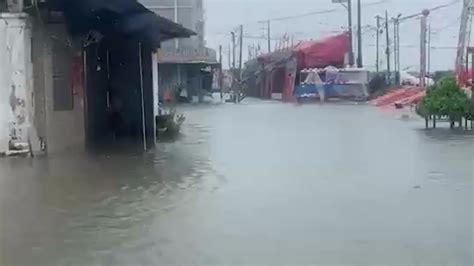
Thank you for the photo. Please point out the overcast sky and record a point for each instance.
(222, 16)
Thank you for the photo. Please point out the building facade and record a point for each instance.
(181, 60)
(62, 92)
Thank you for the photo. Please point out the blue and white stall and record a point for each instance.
(330, 82)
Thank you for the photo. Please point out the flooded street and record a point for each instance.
(261, 183)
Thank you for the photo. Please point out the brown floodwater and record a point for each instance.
(261, 183)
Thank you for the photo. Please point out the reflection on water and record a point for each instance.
(257, 183)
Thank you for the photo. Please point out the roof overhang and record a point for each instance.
(118, 17)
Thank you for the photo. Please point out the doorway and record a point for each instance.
(119, 93)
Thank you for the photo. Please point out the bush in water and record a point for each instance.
(446, 99)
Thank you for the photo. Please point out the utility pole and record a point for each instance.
(233, 50)
(428, 47)
(269, 37)
(229, 57)
(220, 71)
(396, 50)
(472, 85)
(387, 51)
(241, 43)
(351, 46)
(463, 34)
(424, 20)
(377, 45)
(360, 61)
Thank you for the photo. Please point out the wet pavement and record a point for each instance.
(259, 183)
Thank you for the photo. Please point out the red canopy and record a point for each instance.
(322, 53)
(465, 76)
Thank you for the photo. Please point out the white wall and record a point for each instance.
(16, 108)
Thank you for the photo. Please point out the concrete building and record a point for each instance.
(181, 60)
(57, 89)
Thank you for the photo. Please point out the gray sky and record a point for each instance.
(224, 15)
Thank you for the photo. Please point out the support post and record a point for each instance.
(156, 91)
(176, 20)
(140, 61)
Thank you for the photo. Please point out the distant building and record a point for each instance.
(181, 60)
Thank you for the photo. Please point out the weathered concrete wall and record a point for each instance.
(34, 56)
(38, 53)
(16, 93)
(61, 130)
(15, 5)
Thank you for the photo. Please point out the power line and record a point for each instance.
(303, 15)
(429, 9)
(327, 11)
(451, 24)
(418, 46)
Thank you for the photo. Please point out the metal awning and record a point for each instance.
(118, 17)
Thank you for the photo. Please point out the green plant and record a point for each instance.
(445, 99)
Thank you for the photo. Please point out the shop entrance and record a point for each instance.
(119, 93)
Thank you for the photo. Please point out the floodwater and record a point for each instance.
(260, 183)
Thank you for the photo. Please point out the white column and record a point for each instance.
(16, 108)
(176, 20)
(156, 89)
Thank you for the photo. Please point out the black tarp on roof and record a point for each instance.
(118, 17)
